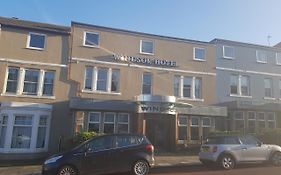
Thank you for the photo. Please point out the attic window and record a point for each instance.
(36, 41)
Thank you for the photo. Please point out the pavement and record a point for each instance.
(162, 160)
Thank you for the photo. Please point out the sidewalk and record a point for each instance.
(162, 160)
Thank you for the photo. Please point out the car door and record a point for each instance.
(253, 150)
(97, 158)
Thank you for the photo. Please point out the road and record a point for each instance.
(249, 169)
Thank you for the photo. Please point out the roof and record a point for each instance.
(278, 45)
(73, 23)
(18, 23)
(217, 40)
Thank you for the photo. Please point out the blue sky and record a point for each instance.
(239, 20)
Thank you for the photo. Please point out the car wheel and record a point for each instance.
(140, 167)
(227, 162)
(276, 159)
(67, 170)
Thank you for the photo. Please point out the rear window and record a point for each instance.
(223, 140)
(123, 141)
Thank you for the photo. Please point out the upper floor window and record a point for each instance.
(22, 81)
(12, 81)
(261, 56)
(102, 79)
(147, 83)
(188, 87)
(199, 54)
(268, 90)
(36, 41)
(278, 58)
(228, 52)
(147, 47)
(91, 39)
(240, 85)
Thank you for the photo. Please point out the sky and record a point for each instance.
(250, 21)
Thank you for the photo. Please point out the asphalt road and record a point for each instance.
(249, 169)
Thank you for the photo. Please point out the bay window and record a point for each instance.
(123, 123)
(3, 129)
(239, 121)
(194, 128)
(22, 131)
(109, 123)
(94, 121)
(251, 122)
(206, 126)
(182, 127)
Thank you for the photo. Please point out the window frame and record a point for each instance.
(29, 39)
(92, 122)
(112, 123)
(228, 57)
(153, 47)
(194, 54)
(258, 52)
(84, 39)
(278, 56)
(239, 77)
(151, 83)
(123, 123)
(7, 79)
(271, 88)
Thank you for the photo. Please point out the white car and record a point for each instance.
(227, 151)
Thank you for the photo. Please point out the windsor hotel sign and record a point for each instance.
(146, 61)
(164, 108)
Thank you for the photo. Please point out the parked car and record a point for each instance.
(227, 151)
(104, 154)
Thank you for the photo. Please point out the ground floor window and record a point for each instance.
(261, 120)
(194, 128)
(182, 127)
(206, 125)
(251, 122)
(239, 121)
(271, 123)
(24, 131)
(109, 122)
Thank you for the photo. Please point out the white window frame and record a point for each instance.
(257, 56)
(36, 48)
(124, 123)
(195, 126)
(227, 57)
(274, 120)
(206, 126)
(21, 77)
(153, 47)
(183, 125)
(151, 85)
(92, 122)
(95, 78)
(239, 86)
(46, 127)
(261, 120)
(114, 122)
(271, 87)
(4, 125)
(84, 39)
(192, 98)
(278, 56)
(194, 54)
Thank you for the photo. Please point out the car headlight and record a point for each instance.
(53, 159)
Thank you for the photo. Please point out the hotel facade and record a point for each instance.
(57, 81)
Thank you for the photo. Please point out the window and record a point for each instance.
(109, 123)
(278, 58)
(22, 132)
(261, 120)
(182, 125)
(3, 129)
(248, 140)
(124, 141)
(89, 78)
(271, 120)
(198, 88)
(187, 83)
(228, 52)
(102, 79)
(36, 41)
(147, 83)
(102, 143)
(188, 87)
(234, 84)
(194, 128)
(91, 39)
(245, 86)
(42, 130)
(251, 122)
(48, 85)
(177, 80)
(199, 54)
(239, 121)
(115, 80)
(240, 85)
(280, 88)
(12, 81)
(94, 121)
(261, 56)
(31, 79)
(268, 91)
(123, 123)
(147, 47)
(206, 125)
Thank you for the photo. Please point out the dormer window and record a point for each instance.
(36, 41)
(146, 47)
(91, 39)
